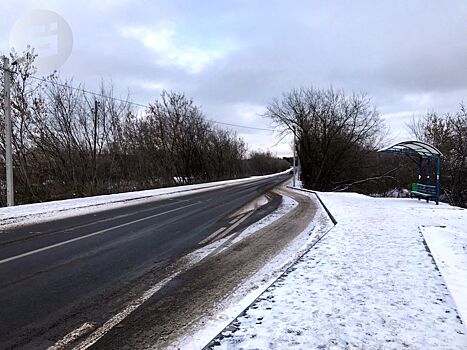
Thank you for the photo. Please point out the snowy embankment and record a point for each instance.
(241, 298)
(370, 283)
(38, 212)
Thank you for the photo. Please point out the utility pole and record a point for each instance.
(94, 155)
(299, 164)
(294, 156)
(8, 150)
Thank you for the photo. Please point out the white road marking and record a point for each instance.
(235, 220)
(133, 305)
(90, 235)
(118, 216)
(72, 336)
(231, 228)
(211, 236)
(107, 326)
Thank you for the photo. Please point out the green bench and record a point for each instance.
(422, 191)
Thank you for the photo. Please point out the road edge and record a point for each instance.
(44, 212)
(312, 241)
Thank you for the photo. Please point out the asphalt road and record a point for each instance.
(201, 294)
(50, 270)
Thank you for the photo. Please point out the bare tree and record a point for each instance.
(335, 132)
(70, 143)
(448, 133)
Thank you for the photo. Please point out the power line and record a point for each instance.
(86, 91)
(135, 103)
(242, 126)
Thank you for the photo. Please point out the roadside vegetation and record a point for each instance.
(448, 133)
(338, 135)
(68, 143)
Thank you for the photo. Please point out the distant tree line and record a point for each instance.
(68, 143)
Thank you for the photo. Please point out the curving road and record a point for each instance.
(57, 274)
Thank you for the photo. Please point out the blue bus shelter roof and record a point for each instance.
(419, 148)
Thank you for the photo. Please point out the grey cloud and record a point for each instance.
(408, 56)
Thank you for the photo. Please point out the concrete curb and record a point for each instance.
(214, 341)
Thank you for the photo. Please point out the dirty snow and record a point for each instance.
(220, 245)
(370, 283)
(241, 298)
(40, 212)
(287, 205)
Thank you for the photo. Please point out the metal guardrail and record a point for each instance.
(333, 219)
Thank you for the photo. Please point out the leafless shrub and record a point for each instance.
(69, 143)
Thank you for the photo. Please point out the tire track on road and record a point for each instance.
(194, 293)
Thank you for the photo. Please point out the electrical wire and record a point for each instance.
(137, 104)
(130, 102)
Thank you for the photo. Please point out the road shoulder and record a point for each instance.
(198, 303)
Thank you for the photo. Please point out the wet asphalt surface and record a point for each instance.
(54, 275)
(183, 305)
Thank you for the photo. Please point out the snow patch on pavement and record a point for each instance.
(220, 245)
(246, 294)
(256, 203)
(287, 205)
(369, 283)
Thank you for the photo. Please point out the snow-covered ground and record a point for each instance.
(34, 213)
(370, 283)
(246, 294)
(448, 244)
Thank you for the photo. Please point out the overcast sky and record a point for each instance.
(233, 57)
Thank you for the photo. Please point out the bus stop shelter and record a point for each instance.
(424, 155)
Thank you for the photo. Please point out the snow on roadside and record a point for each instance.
(39, 212)
(258, 283)
(368, 284)
(287, 205)
(220, 245)
(449, 249)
